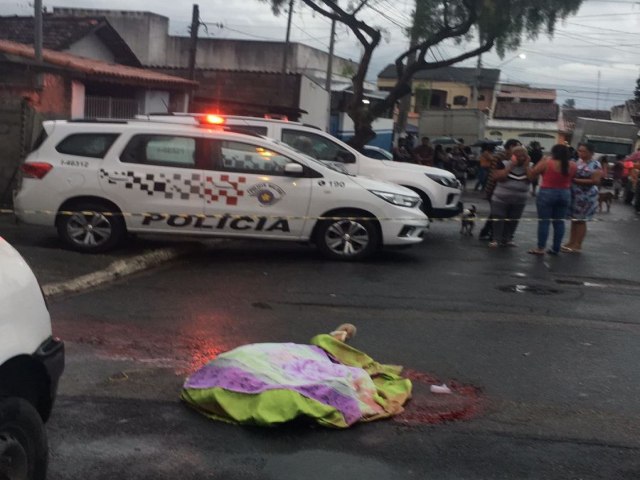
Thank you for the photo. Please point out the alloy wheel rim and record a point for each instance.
(89, 229)
(347, 238)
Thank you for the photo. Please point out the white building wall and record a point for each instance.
(547, 133)
(145, 32)
(252, 55)
(91, 47)
(77, 99)
(155, 101)
(315, 100)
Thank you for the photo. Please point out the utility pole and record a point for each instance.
(598, 93)
(193, 48)
(37, 34)
(286, 42)
(37, 40)
(327, 83)
(193, 44)
(476, 82)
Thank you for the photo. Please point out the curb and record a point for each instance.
(117, 269)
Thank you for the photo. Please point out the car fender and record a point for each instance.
(20, 297)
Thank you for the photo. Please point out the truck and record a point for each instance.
(608, 137)
(466, 123)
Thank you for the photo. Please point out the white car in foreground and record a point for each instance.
(31, 362)
(96, 181)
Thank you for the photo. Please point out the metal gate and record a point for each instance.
(110, 107)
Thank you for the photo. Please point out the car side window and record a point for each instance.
(232, 156)
(162, 150)
(93, 145)
(314, 145)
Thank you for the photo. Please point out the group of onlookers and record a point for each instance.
(624, 178)
(455, 158)
(565, 183)
(565, 187)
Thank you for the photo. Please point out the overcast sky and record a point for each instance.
(593, 57)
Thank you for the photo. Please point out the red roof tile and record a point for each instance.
(96, 69)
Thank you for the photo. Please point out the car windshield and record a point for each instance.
(378, 154)
(335, 166)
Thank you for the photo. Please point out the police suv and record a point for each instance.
(97, 180)
(438, 189)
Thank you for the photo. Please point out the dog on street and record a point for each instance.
(468, 221)
(605, 198)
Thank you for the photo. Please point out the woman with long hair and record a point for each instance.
(584, 196)
(554, 196)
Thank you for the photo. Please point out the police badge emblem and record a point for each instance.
(266, 193)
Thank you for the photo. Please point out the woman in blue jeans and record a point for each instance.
(554, 196)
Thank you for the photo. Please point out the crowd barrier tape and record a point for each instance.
(457, 218)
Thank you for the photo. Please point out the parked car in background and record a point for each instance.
(31, 362)
(102, 180)
(377, 153)
(446, 142)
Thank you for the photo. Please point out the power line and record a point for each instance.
(602, 28)
(383, 14)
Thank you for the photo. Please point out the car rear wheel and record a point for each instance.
(23, 441)
(92, 227)
(349, 238)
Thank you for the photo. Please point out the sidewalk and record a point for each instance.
(60, 270)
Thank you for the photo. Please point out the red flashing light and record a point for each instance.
(35, 169)
(212, 119)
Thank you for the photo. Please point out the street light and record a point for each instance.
(521, 56)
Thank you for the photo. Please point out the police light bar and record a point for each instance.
(211, 119)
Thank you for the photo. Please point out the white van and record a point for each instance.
(439, 189)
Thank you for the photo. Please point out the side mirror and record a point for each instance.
(346, 157)
(294, 169)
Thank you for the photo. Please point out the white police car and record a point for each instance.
(97, 180)
(438, 189)
(31, 362)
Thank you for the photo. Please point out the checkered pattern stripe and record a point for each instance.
(227, 188)
(224, 188)
(176, 186)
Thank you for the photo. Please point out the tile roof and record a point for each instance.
(527, 111)
(60, 33)
(94, 69)
(466, 75)
(569, 116)
(510, 90)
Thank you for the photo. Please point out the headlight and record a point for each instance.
(450, 182)
(397, 199)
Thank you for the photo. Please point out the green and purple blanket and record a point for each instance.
(272, 383)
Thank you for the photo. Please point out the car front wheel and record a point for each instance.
(23, 441)
(91, 228)
(349, 238)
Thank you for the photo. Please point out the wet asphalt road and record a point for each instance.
(552, 344)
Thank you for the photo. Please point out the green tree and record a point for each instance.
(480, 24)
(636, 92)
(569, 103)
